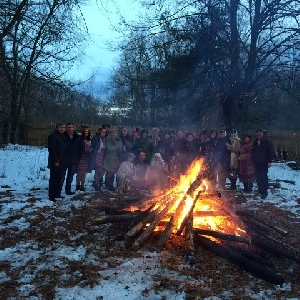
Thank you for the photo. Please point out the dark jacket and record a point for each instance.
(57, 145)
(165, 148)
(263, 153)
(73, 148)
(220, 152)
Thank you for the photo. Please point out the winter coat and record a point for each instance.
(113, 147)
(126, 171)
(96, 143)
(220, 154)
(165, 148)
(234, 146)
(74, 148)
(190, 151)
(263, 151)
(209, 151)
(143, 144)
(84, 157)
(57, 145)
(126, 146)
(246, 167)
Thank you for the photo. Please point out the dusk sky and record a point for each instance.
(100, 20)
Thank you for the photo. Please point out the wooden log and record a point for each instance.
(163, 199)
(209, 213)
(106, 208)
(164, 236)
(273, 248)
(116, 218)
(283, 245)
(146, 233)
(274, 184)
(247, 264)
(148, 219)
(179, 210)
(251, 215)
(189, 234)
(191, 211)
(141, 224)
(223, 236)
(287, 181)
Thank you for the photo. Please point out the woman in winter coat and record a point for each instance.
(126, 170)
(246, 168)
(97, 158)
(234, 146)
(113, 147)
(84, 157)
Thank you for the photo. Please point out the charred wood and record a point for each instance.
(287, 181)
(251, 215)
(248, 265)
(146, 233)
(141, 224)
(189, 234)
(271, 247)
(164, 236)
(116, 218)
(223, 236)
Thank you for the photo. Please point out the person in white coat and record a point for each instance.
(126, 170)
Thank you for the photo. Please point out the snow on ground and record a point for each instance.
(23, 191)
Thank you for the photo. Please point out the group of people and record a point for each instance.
(233, 158)
(146, 160)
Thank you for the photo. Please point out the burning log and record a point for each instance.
(223, 236)
(184, 222)
(149, 218)
(249, 214)
(209, 213)
(140, 225)
(189, 234)
(164, 236)
(146, 233)
(238, 259)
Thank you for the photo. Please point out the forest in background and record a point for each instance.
(211, 64)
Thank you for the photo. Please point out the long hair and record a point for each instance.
(88, 137)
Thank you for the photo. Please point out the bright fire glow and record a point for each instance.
(191, 195)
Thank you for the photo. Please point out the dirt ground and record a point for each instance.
(50, 228)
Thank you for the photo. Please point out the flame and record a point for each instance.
(191, 195)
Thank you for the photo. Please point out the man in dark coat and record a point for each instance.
(56, 161)
(262, 154)
(73, 150)
(221, 159)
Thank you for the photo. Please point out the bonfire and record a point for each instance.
(192, 208)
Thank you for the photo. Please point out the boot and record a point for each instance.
(233, 187)
(82, 188)
(97, 187)
(250, 187)
(78, 187)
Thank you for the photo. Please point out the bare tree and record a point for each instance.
(42, 42)
(228, 51)
(12, 12)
